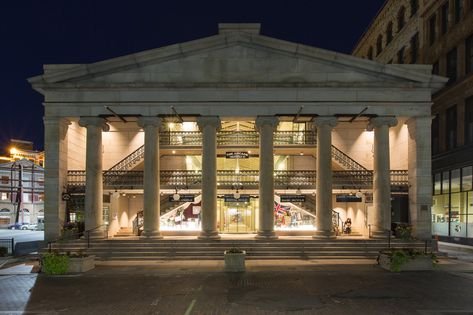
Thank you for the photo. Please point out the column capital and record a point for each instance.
(261, 121)
(213, 121)
(146, 121)
(379, 121)
(94, 121)
(330, 121)
(61, 122)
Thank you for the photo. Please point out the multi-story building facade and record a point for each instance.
(441, 34)
(21, 149)
(242, 133)
(21, 193)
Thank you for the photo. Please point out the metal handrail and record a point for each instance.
(246, 178)
(76, 236)
(346, 160)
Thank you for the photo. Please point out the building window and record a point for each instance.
(400, 56)
(458, 10)
(469, 54)
(370, 53)
(435, 135)
(452, 65)
(435, 68)
(471, 5)
(414, 48)
(401, 18)
(389, 33)
(451, 128)
(469, 120)
(467, 178)
(432, 29)
(444, 18)
(379, 45)
(414, 6)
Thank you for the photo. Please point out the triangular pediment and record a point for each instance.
(237, 57)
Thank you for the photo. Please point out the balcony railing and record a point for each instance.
(182, 179)
(236, 138)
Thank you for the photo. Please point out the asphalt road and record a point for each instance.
(22, 235)
(332, 289)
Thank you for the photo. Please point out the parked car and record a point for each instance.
(17, 226)
(31, 227)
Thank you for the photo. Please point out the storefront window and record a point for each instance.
(437, 184)
(445, 182)
(469, 217)
(458, 215)
(440, 215)
(455, 180)
(467, 178)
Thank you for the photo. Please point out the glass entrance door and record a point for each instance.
(236, 217)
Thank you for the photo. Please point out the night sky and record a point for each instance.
(38, 32)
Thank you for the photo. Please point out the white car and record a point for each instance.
(31, 227)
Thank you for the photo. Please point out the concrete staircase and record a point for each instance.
(124, 232)
(193, 249)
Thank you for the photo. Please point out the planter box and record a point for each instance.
(81, 264)
(235, 262)
(417, 264)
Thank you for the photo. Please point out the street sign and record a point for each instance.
(348, 198)
(231, 198)
(183, 198)
(292, 198)
(237, 155)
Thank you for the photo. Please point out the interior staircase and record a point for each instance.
(124, 232)
(193, 249)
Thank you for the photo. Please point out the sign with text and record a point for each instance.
(237, 155)
(348, 198)
(292, 198)
(183, 198)
(231, 198)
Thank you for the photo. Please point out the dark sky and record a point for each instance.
(38, 32)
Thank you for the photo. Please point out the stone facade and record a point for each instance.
(235, 77)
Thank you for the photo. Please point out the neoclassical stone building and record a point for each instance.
(238, 132)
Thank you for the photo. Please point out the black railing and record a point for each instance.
(247, 179)
(78, 235)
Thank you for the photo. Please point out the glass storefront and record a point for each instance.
(237, 217)
(452, 209)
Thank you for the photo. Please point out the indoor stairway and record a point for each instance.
(168, 249)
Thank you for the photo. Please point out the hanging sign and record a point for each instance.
(237, 155)
(231, 198)
(292, 198)
(183, 198)
(348, 198)
(66, 196)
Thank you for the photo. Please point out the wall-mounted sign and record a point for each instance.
(237, 155)
(348, 198)
(183, 198)
(66, 196)
(292, 198)
(231, 198)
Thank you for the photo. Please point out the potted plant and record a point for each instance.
(55, 263)
(235, 260)
(406, 259)
(80, 262)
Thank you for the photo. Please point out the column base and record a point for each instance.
(209, 235)
(151, 235)
(266, 235)
(324, 235)
(380, 234)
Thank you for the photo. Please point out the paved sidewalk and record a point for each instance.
(268, 287)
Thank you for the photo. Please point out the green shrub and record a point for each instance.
(54, 264)
(404, 232)
(3, 251)
(398, 258)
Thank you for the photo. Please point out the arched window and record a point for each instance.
(414, 7)
(5, 210)
(389, 33)
(379, 45)
(370, 53)
(401, 18)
